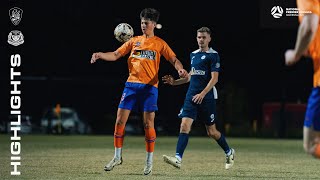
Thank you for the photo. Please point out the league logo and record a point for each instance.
(276, 11)
(15, 15)
(15, 38)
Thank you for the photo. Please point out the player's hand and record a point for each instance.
(168, 79)
(198, 98)
(94, 57)
(290, 57)
(183, 73)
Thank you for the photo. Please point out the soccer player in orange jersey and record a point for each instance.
(141, 89)
(308, 43)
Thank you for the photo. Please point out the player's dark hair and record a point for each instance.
(150, 13)
(204, 29)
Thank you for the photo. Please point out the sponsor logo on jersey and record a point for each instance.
(197, 72)
(151, 55)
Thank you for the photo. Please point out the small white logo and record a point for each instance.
(181, 110)
(212, 117)
(192, 59)
(15, 38)
(202, 57)
(217, 65)
(15, 15)
(122, 97)
(276, 11)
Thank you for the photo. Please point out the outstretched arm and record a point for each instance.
(179, 67)
(306, 32)
(168, 79)
(199, 97)
(107, 56)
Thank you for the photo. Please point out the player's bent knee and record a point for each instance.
(148, 124)
(215, 134)
(120, 122)
(184, 128)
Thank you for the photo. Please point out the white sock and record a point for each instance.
(117, 153)
(229, 152)
(149, 157)
(179, 158)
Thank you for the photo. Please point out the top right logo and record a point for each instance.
(276, 11)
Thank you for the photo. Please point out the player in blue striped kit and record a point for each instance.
(200, 98)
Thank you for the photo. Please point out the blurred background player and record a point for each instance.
(200, 98)
(141, 89)
(308, 43)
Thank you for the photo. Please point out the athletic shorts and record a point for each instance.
(206, 111)
(312, 117)
(139, 97)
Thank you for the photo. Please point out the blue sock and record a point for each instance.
(182, 144)
(223, 143)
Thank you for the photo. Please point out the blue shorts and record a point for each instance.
(312, 118)
(206, 111)
(139, 97)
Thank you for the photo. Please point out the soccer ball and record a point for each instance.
(123, 32)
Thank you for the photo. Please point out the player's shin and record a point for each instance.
(118, 140)
(150, 137)
(181, 145)
(223, 144)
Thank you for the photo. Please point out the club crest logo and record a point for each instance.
(15, 38)
(15, 15)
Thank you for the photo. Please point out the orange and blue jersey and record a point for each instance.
(314, 49)
(144, 59)
(141, 89)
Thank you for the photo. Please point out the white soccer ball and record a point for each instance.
(123, 32)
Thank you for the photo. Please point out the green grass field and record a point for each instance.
(83, 157)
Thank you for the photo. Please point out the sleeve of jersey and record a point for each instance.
(125, 48)
(167, 52)
(309, 5)
(215, 63)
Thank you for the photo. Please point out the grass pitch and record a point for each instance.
(83, 157)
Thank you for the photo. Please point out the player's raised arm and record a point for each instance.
(168, 79)
(107, 56)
